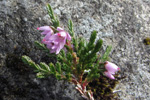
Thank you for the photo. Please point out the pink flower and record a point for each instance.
(57, 41)
(111, 69)
(47, 31)
(52, 45)
(54, 42)
(109, 75)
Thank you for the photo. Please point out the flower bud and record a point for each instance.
(111, 69)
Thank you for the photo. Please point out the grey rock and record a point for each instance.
(120, 23)
(19, 20)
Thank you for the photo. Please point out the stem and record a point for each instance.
(85, 83)
(80, 78)
(74, 81)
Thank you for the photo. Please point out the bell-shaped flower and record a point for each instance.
(111, 69)
(109, 75)
(57, 41)
(52, 46)
(47, 31)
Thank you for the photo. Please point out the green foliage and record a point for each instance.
(70, 27)
(44, 48)
(43, 70)
(27, 60)
(92, 40)
(105, 57)
(93, 74)
(71, 32)
(41, 46)
(98, 46)
(54, 19)
(52, 68)
(72, 63)
(81, 44)
(58, 67)
(45, 67)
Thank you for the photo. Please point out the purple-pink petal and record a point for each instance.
(60, 29)
(111, 67)
(44, 28)
(54, 37)
(109, 75)
(45, 32)
(52, 51)
(62, 34)
(58, 49)
(54, 42)
(68, 36)
(47, 37)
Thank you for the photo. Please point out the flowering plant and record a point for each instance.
(78, 61)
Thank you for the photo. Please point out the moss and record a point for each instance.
(103, 88)
(146, 41)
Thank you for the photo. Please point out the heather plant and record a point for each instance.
(78, 61)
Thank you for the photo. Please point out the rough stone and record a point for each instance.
(124, 24)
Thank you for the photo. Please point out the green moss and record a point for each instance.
(103, 88)
(146, 41)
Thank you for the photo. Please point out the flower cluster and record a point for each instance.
(54, 42)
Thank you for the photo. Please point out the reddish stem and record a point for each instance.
(85, 83)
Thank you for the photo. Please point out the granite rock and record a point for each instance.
(124, 24)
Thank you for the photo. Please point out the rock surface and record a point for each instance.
(124, 24)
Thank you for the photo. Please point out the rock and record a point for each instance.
(19, 21)
(120, 23)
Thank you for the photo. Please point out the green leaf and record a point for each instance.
(71, 32)
(67, 47)
(79, 69)
(68, 76)
(58, 67)
(32, 64)
(41, 46)
(52, 68)
(50, 11)
(98, 45)
(80, 46)
(69, 57)
(91, 45)
(70, 27)
(40, 75)
(62, 52)
(64, 67)
(25, 59)
(106, 54)
(45, 66)
(58, 76)
(92, 38)
(54, 19)
(93, 74)
(28, 61)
